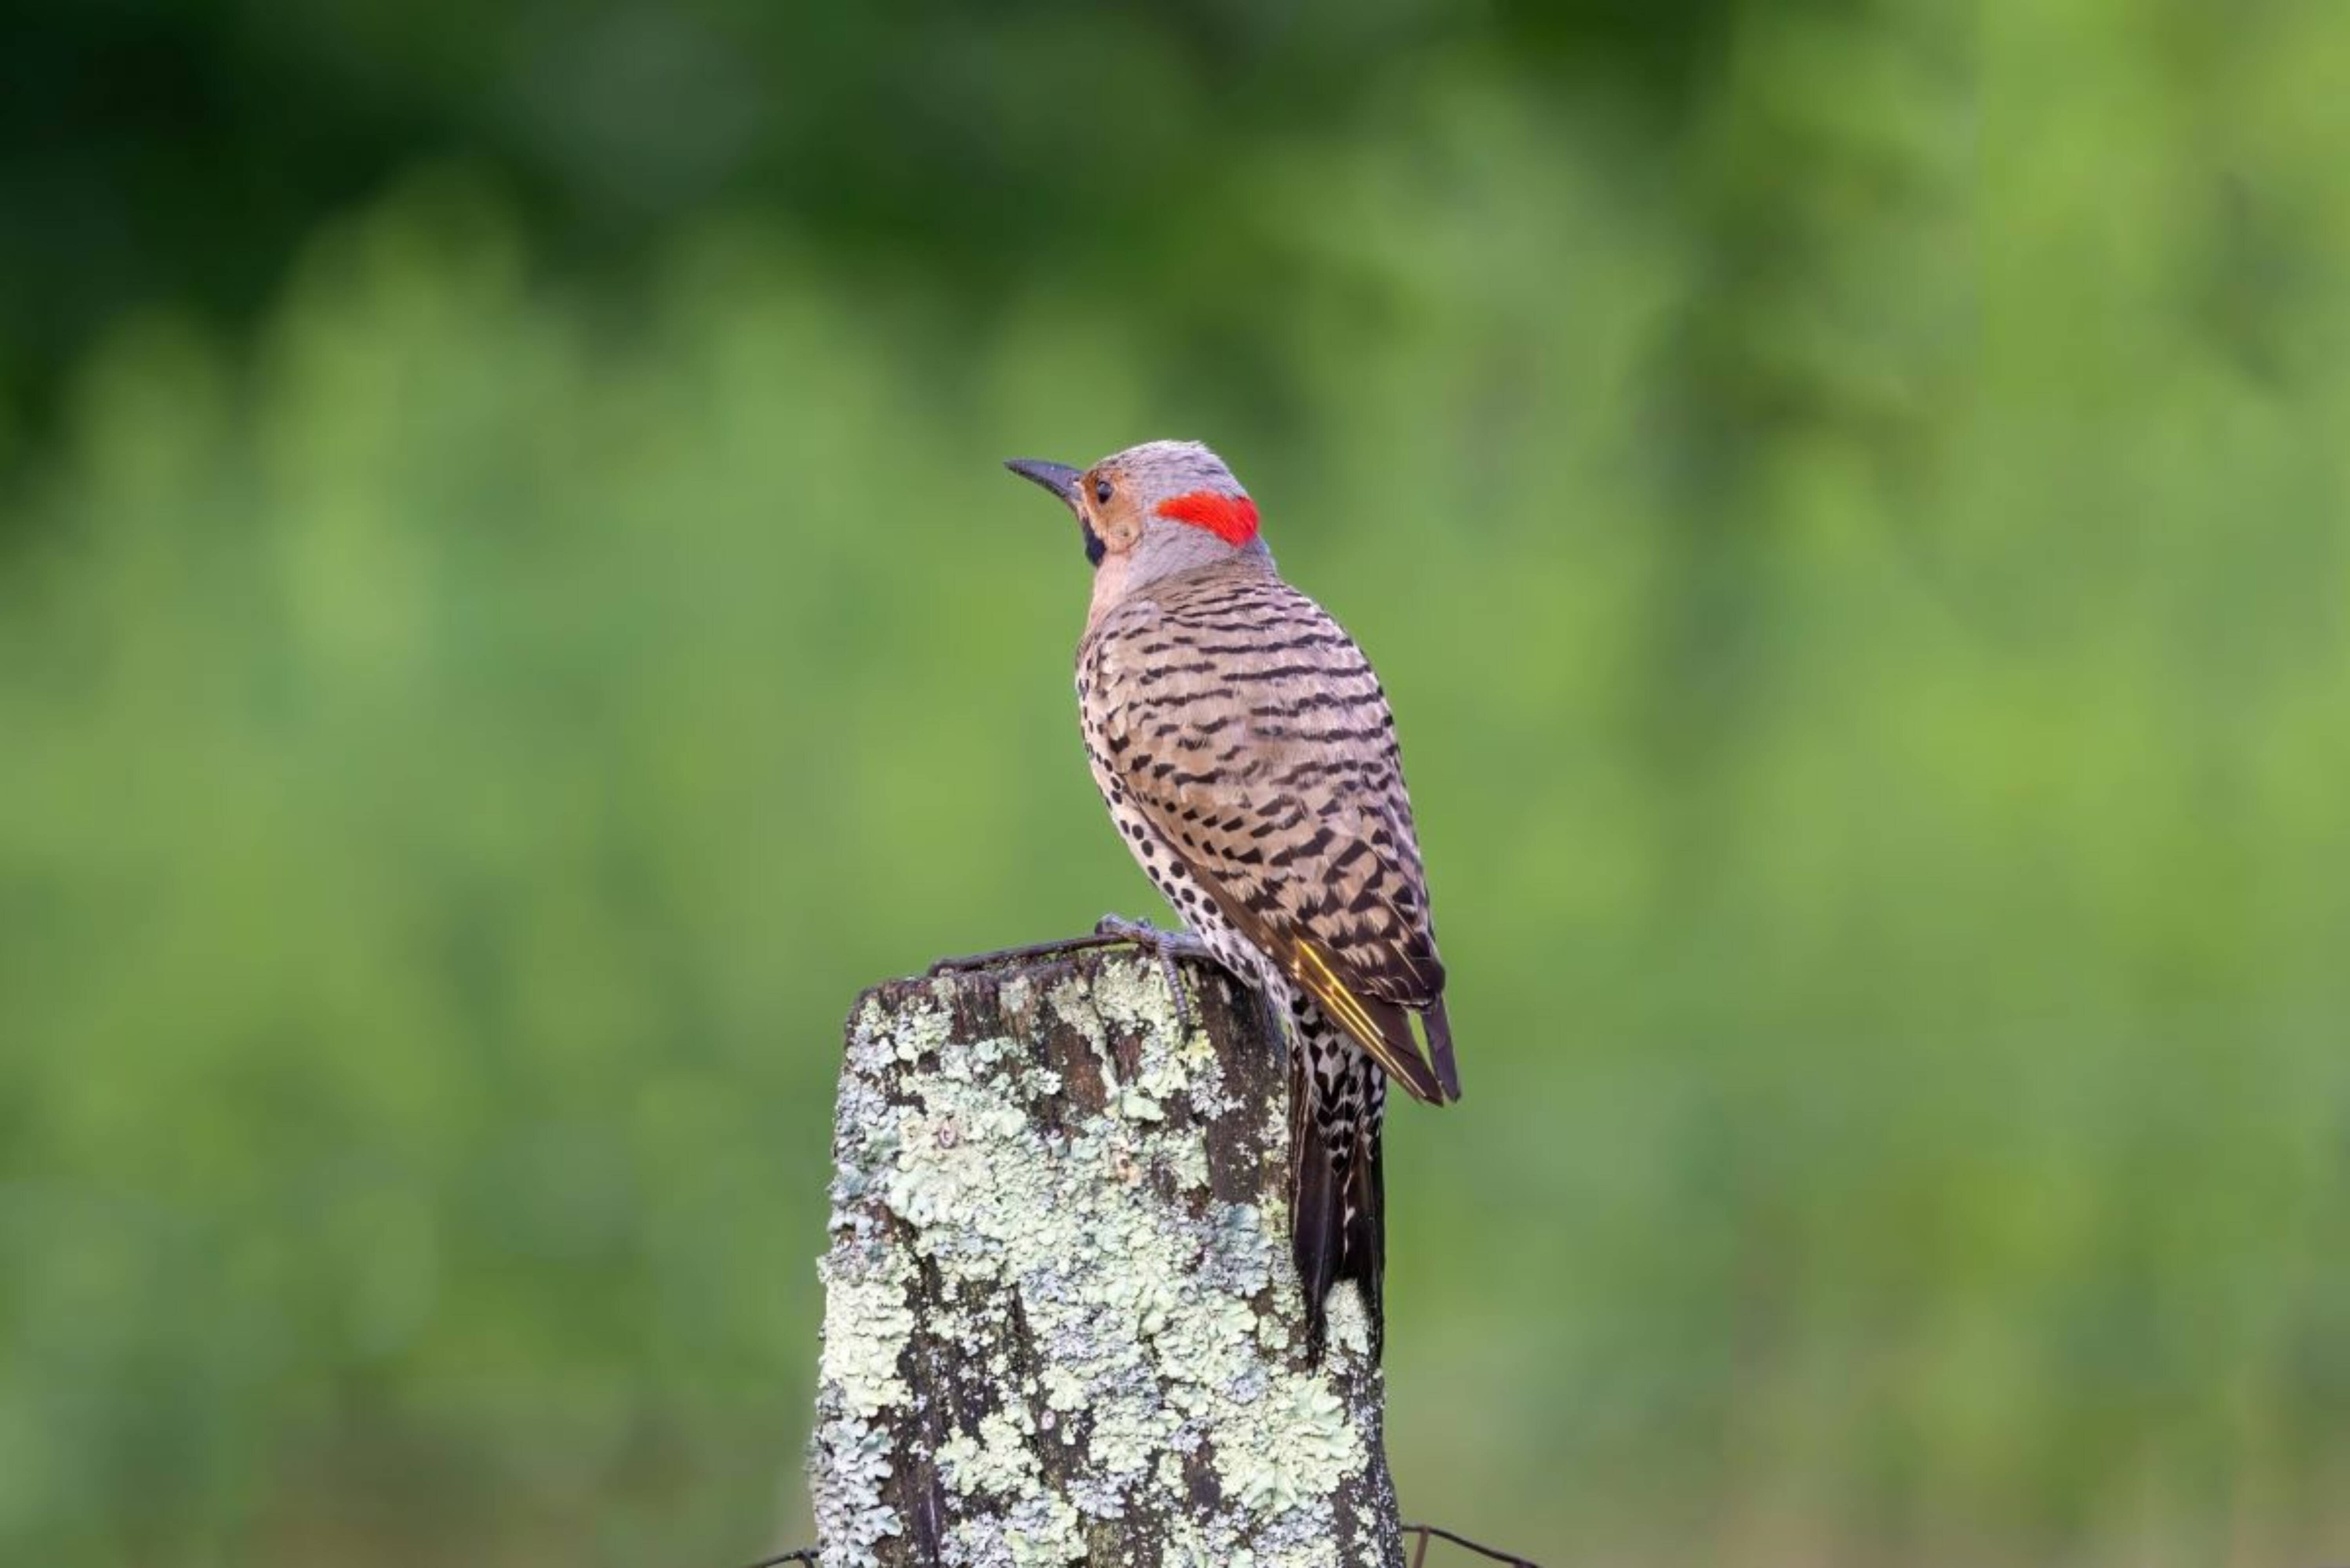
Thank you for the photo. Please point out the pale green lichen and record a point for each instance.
(999, 1458)
(1347, 1322)
(866, 1320)
(1156, 1331)
(1035, 1530)
(1300, 1446)
(851, 1462)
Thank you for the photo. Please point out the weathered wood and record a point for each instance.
(1061, 1325)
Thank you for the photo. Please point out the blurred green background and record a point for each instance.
(509, 619)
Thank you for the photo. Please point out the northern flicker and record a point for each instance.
(1247, 753)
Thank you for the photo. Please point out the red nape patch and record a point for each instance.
(1232, 518)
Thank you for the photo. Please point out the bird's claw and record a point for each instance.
(1167, 947)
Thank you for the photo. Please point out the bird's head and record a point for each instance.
(1150, 511)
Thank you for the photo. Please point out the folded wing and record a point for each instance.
(1253, 735)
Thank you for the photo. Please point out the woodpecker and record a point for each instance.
(1247, 753)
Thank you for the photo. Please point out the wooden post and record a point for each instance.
(1061, 1325)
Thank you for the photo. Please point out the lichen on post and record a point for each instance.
(1060, 1322)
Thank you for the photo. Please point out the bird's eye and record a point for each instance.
(1101, 490)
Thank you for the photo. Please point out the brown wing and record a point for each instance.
(1252, 732)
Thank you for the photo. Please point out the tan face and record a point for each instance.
(1108, 510)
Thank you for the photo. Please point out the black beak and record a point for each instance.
(1058, 477)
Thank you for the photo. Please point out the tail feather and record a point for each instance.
(1317, 1241)
(1338, 1222)
(1440, 1048)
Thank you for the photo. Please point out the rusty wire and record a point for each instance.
(1426, 1533)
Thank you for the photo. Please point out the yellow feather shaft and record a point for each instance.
(1350, 1015)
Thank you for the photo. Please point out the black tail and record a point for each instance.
(1338, 1219)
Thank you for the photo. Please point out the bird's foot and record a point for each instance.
(1177, 943)
(1167, 947)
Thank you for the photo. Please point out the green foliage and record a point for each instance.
(1861, 580)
